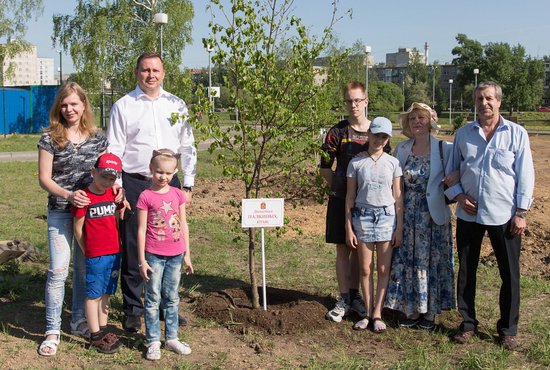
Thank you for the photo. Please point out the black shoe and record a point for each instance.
(408, 323)
(426, 324)
(132, 324)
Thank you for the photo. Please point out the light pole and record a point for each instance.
(403, 88)
(367, 52)
(161, 19)
(433, 86)
(60, 67)
(476, 72)
(450, 101)
(209, 48)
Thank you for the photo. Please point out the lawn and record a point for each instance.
(304, 263)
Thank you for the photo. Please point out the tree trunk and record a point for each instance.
(252, 269)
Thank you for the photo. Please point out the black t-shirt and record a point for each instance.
(342, 143)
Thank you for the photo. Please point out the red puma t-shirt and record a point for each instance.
(100, 225)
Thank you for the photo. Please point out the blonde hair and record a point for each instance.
(58, 126)
(164, 154)
(424, 108)
(352, 86)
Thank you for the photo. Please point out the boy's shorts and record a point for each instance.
(373, 224)
(102, 275)
(335, 231)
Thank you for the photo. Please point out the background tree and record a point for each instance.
(417, 69)
(105, 38)
(469, 55)
(521, 76)
(384, 97)
(270, 61)
(14, 15)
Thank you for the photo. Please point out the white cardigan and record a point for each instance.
(440, 212)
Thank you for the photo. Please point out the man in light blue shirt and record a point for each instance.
(493, 157)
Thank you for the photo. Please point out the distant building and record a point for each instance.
(403, 57)
(46, 71)
(29, 70)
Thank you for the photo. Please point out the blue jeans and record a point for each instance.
(61, 240)
(163, 285)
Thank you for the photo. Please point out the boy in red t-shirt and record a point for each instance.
(95, 229)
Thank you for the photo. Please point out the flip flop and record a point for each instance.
(379, 326)
(362, 324)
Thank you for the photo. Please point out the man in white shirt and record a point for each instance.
(140, 122)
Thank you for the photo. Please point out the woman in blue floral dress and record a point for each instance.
(422, 277)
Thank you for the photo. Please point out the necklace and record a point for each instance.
(377, 159)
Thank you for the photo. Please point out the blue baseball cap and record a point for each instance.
(381, 125)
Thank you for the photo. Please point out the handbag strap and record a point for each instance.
(441, 156)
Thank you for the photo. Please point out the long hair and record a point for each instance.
(58, 125)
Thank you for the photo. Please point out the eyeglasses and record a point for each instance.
(354, 101)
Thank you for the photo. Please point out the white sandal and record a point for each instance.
(48, 347)
(80, 327)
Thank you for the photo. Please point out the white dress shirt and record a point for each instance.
(138, 125)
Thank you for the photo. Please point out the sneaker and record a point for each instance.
(132, 324)
(358, 306)
(426, 324)
(181, 348)
(153, 352)
(408, 323)
(340, 310)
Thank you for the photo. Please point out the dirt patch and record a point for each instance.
(290, 311)
(293, 312)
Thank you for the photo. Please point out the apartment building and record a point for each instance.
(29, 70)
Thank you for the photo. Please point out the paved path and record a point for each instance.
(33, 156)
(203, 145)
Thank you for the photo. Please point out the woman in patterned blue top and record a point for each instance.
(67, 151)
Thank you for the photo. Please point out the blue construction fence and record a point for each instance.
(25, 109)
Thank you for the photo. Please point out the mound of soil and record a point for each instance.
(289, 311)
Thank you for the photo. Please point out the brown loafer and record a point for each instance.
(463, 337)
(508, 341)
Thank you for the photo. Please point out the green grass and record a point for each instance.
(19, 143)
(220, 253)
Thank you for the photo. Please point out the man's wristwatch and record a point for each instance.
(187, 188)
(521, 214)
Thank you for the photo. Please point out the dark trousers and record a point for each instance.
(506, 247)
(131, 282)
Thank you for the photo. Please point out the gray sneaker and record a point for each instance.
(340, 310)
(358, 306)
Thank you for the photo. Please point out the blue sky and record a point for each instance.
(384, 25)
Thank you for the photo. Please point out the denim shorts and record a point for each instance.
(373, 224)
(102, 275)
